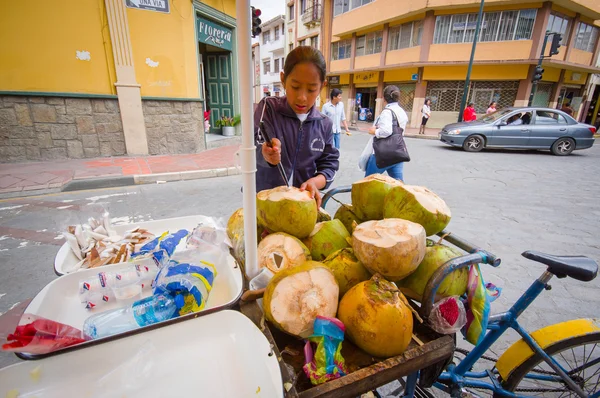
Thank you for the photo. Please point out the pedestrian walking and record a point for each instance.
(491, 108)
(425, 114)
(334, 110)
(469, 113)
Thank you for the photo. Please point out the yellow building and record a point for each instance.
(424, 46)
(89, 78)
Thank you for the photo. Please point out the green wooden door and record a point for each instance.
(219, 87)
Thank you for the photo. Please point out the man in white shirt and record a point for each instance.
(334, 110)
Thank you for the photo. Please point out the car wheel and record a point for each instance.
(563, 146)
(474, 143)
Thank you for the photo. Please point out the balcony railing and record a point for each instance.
(312, 15)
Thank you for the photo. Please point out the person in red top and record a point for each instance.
(469, 113)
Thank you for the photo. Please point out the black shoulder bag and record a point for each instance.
(391, 149)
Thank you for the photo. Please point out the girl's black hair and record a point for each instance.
(491, 103)
(304, 54)
(427, 100)
(391, 94)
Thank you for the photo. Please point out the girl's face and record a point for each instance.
(302, 86)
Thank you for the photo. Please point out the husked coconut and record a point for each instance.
(417, 204)
(280, 251)
(377, 317)
(368, 195)
(392, 247)
(347, 215)
(348, 271)
(296, 296)
(326, 238)
(288, 210)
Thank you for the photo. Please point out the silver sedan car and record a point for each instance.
(521, 128)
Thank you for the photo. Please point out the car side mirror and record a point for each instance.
(502, 123)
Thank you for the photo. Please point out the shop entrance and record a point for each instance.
(365, 103)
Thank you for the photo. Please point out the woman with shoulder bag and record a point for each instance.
(389, 149)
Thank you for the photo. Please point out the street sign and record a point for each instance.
(152, 5)
(214, 34)
(334, 80)
(414, 77)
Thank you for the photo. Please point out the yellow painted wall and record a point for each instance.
(225, 6)
(341, 65)
(403, 56)
(399, 75)
(367, 61)
(39, 40)
(580, 57)
(345, 79)
(579, 78)
(479, 72)
(551, 74)
(492, 51)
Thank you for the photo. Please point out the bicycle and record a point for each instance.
(533, 366)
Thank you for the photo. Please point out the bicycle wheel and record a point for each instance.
(579, 356)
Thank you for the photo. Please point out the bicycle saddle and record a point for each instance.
(577, 267)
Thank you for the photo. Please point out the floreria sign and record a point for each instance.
(214, 34)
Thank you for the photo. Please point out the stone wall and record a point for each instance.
(174, 126)
(48, 128)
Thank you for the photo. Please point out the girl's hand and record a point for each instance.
(372, 130)
(272, 154)
(313, 185)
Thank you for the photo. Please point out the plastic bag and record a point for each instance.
(479, 297)
(207, 235)
(326, 362)
(162, 247)
(365, 155)
(448, 315)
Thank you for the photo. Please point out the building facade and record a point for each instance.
(424, 49)
(272, 55)
(104, 78)
(303, 21)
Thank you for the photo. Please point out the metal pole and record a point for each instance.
(535, 82)
(463, 101)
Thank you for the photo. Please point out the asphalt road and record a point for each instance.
(504, 201)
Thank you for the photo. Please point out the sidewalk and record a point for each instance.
(26, 179)
(411, 132)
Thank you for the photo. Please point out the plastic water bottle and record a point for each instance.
(142, 313)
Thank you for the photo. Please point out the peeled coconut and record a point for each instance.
(348, 271)
(417, 204)
(454, 284)
(377, 317)
(347, 216)
(368, 195)
(392, 247)
(326, 238)
(280, 251)
(288, 210)
(295, 297)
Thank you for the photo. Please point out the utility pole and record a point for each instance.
(463, 101)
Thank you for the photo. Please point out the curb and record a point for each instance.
(422, 137)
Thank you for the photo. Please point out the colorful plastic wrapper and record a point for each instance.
(161, 248)
(326, 362)
(448, 315)
(37, 335)
(479, 297)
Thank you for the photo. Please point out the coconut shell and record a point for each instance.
(323, 215)
(347, 216)
(288, 210)
(235, 224)
(417, 204)
(368, 195)
(377, 317)
(326, 238)
(347, 269)
(392, 247)
(290, 252)
(296, 296)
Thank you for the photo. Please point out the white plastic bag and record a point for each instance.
(448, 315)
(365, 155)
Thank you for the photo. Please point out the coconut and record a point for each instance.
(368, 195)
(287, 209)
(295, 297)
(280, 251)
(417, 204)
(347, 216)
(347, 269)
(454, 284)
(326, 238)
(235, 225)
(323, 215)
(377, 317)
(392, 247)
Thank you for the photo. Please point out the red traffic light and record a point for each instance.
(256, 12)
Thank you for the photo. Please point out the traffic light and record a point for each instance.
(256, 22)
(556, 39)
(537, 74)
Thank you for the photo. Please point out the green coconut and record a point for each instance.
(347, 216)
(391, 247)
(454, 284)
(417, 204)
(323, 215)
(296, 296)
(326, 238)
(280, 251)
(347, 269)
(368, 195)
(288, 210)
(235, 224)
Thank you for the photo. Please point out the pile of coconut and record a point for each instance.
(358, 266)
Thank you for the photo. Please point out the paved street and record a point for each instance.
(505, 201)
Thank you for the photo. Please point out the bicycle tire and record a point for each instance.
(517, 375)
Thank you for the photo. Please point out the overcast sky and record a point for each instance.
(269, 8)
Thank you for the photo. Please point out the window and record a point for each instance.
(406, 35)
(314, 42)
(291, 12)
(266, 37)
(342, 6)
(302, 6)
(547, 117)
(276, 69)
(302, 42)
(291, 46)
(586, 37)
(341, 49)
(369, 44)
(559, 23)
(267, 67)
(495, 26)
(276, 33)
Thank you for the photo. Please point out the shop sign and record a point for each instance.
(152, 5)
(575, 76)
(414, 77)
(471, 25)
(366, 77)
(214, 34)
(334, 80)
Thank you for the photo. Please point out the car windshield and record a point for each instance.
(492, 117)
